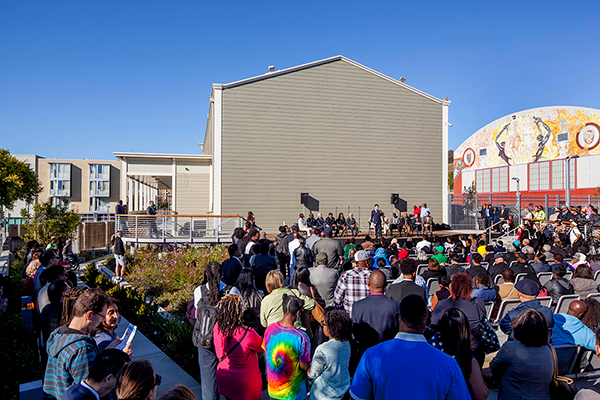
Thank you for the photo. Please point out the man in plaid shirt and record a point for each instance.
(354, 284)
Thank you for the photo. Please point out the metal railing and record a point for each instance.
(177, 228)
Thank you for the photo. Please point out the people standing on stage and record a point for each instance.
(376, 220)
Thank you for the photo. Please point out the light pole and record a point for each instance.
(518, 197)
(568, 185)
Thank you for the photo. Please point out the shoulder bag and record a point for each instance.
(318, 313)
(227, 354)
(561, 388)
(488, 340)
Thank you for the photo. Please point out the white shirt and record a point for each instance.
(302, 225)
(422, 244)
(574, 234)
(198, 294)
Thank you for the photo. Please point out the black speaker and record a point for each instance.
(395, 198)
(304, 198)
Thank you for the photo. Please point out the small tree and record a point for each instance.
(17, 181)
(48, 220)
(451, 179)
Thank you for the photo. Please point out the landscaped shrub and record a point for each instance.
(172, 275)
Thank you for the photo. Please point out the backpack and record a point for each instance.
(206, 317)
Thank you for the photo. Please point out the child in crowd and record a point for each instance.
(287, 353)
(329, 368)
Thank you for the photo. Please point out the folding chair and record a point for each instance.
(544, 277)
(563, 303)
(506, 306)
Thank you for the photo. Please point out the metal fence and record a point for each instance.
(177, 228)
(464, 209)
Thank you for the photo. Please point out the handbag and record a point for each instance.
(318, 313)
(488, 340)
(561, 388)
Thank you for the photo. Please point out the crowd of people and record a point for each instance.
(82, 357)
(304, 316)
(330, 316)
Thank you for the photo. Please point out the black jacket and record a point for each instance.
(525, 269)
(231, 270)
(399, 291)
(496, 269)
(304, 257)
(557, 287)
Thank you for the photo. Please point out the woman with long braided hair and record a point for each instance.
(237, 347)
(210, 293)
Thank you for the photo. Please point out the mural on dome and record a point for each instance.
(529, 136)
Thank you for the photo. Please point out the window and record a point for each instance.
(482, 152)
(549, 175)
(100, 204)
(99, 180)
(482, 180)
(60, 180)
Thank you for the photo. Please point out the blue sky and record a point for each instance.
(84, 79)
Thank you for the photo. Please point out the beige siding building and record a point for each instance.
(347, 135)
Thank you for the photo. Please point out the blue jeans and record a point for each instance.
(207, 360)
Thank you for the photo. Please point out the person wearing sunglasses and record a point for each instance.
(137, 381)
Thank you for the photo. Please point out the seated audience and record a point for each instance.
(406, 286)
(528, 290)
(431, 373)
(385, 269)
(569, 329)
(498, 267)
(443, 293)
(540, 265)
(438, 255)
(455, 336)
(329, 367)
(476, 268)
(483, 289)
(592, 393)
(454, 268)
(461, 287)
(525, 366)
(558, 286)
(558, 260)
(506, 289)
(583, 281)
(434, 270)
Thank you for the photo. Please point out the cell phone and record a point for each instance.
(127, 337)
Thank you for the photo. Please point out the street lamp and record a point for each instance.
(568, 186)
(518, 197)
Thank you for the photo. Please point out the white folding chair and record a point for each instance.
(563, 303)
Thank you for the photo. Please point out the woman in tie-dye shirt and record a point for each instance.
(287, 354)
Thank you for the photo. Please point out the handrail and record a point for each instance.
(180, 215)
(489, 228)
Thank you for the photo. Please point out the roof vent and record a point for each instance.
(402, 79)
(271, 68)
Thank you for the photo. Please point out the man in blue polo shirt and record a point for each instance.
(426, 373)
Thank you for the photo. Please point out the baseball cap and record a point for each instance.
(321, 257)
(361, 255)
(527, 287)
(579, 256)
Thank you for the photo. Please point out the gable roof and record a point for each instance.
(273, 74)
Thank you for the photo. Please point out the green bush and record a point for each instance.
(174, 336)
(91, 273)
(172, 275)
